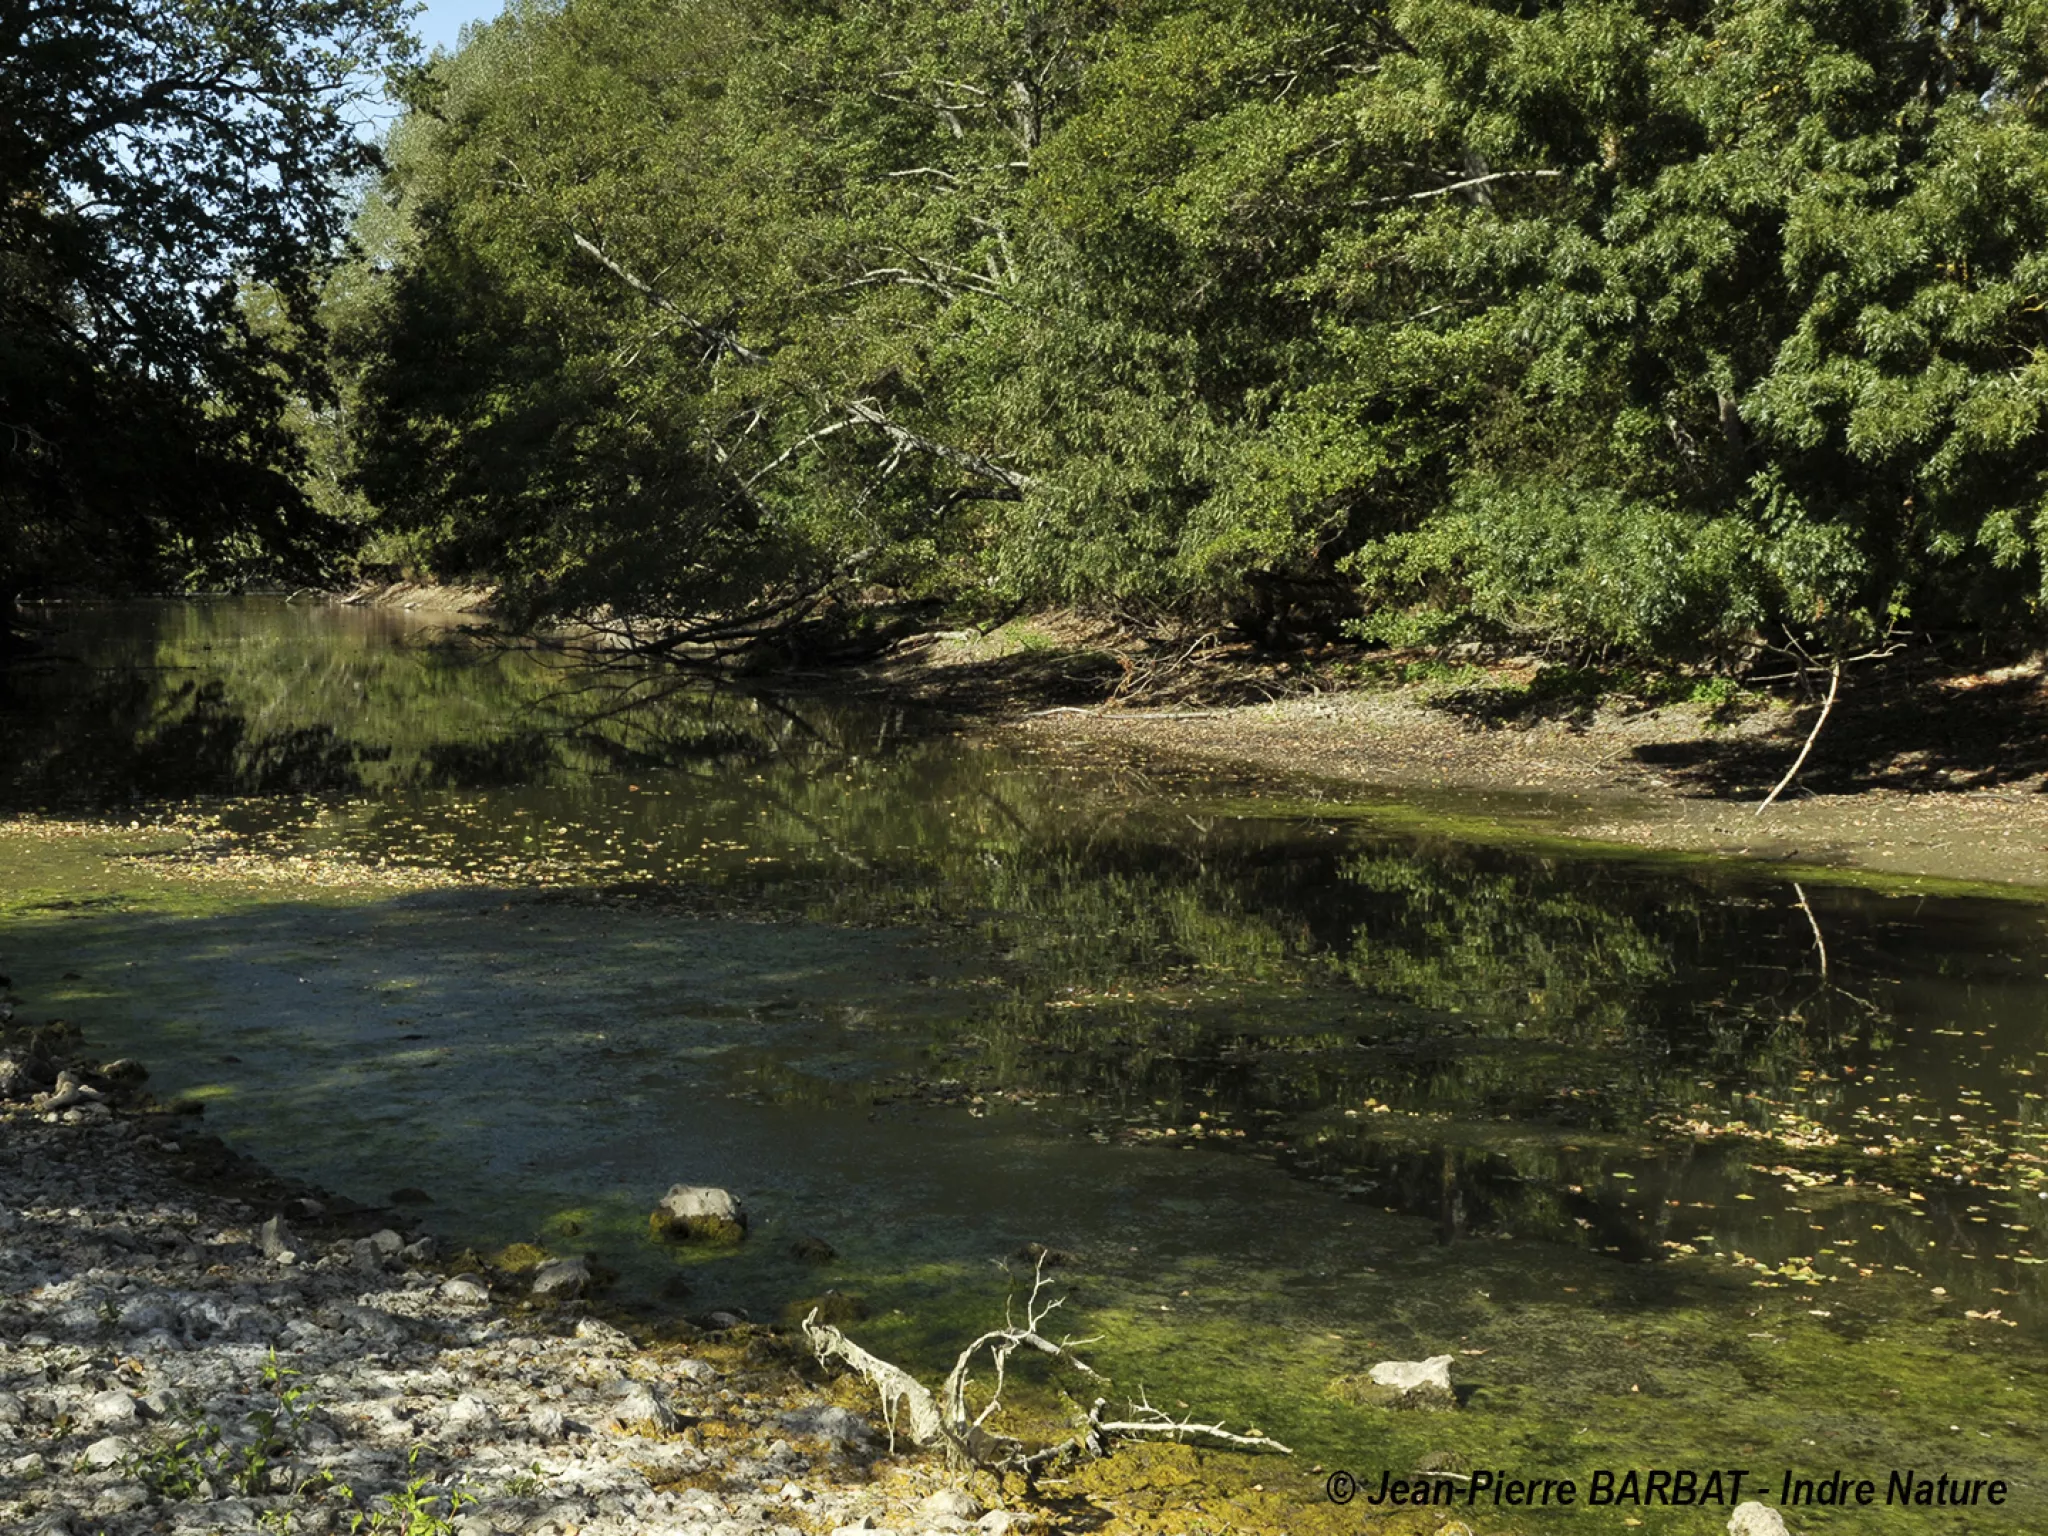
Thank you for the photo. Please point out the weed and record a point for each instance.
(197, 1456)
(415, 1510)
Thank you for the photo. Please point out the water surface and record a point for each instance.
(1686, 1165)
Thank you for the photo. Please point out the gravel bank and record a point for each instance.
(182, 1358)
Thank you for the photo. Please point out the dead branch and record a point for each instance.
(1826, 708)
(948, 1417)
(719, 340)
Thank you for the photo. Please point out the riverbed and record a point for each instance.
(1686, 1164)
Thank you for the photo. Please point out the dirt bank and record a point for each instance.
(1923, 769)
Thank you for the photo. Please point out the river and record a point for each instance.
(1686, 1167)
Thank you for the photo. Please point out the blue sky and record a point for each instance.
(442, 20)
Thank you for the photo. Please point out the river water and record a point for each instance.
(1684, 1165)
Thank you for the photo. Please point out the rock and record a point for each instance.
(699, 1213)
(119, 1498)
(546, 1423)
(827, 1423)
(110, 1452)
(470, 1416)
(71, 1091)
(277, 1242)
(635, 1404)
(812, 1250)
(561, 1279)
(951, 1504)
(702, 1372)
(110, 1410)
(1754, 1519)
(466, 1290)
(387, 1242)
(722, 1320)
(420, 1252)
(594, 1330)
(16, 1081)
(1414, 1375)
(10, 1408)
(1000, 1522)
(125, 1073)
(854, 1528)
(160, 1404)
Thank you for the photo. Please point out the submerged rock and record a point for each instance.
(699, 1213)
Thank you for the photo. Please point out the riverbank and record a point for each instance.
(1926, 768)
(191, 1344)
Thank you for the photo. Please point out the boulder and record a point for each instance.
(465, 1290)
(699, 1213)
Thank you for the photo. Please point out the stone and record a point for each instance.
(855, 1527)
(466, 1290)
(546, 1423)
(71, 1091)
(110, 1410)
(702, 1372)
(110, 1452)
(562, 1279)
(16, 1081)
(420, 1252)
(951, 1504)
(827, 1423)
(469, 1416)
(278, 1245)
(1000, 1522)
(1414, 1375)
(812, 1250)
(636, 1403)
(1754, 1519)
(10, 1408)
(125, 1073)
(387, 1242)
(699, 1213)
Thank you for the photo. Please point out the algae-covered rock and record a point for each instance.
(834, 1307)
(699, 1213)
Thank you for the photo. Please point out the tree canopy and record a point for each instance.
(1638, 326)
(161, 161)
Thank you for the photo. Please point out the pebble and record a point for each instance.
(111, 1263)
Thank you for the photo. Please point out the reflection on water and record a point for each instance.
(1269, 1066)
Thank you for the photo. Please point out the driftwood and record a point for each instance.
(947, 1417)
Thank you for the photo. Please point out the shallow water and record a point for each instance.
(1686, 1166)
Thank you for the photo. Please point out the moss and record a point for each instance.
(519, 1258)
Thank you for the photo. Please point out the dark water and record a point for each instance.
(1693, 1166)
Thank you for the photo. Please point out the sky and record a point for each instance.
(441, 21)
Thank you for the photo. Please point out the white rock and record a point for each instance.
(691, 1210)
(1411, 1375)
(864, 1523)
(546, 1423)
(1754, 1519)
(10, 1408)
(110, 1410)
(637, 1403)
(562, 1279)
(465, 1291)
(830, 1423)
(1000, 1522)
(106, 1453)
(471, 1414)
(951, 1504)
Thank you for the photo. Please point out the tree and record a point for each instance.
(160, 160)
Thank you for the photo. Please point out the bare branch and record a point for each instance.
(712, 336)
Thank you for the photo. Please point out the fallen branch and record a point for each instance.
(1827, 707)
(948, 1418)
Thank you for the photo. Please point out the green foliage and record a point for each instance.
(197, 1454)
(1624, 327)
(418, 1509)
(157, 160)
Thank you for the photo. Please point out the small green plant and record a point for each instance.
(415, 1510)
(198, 1456)
(525, 1485)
